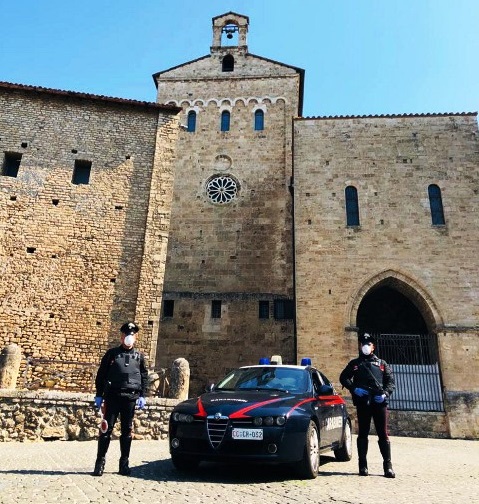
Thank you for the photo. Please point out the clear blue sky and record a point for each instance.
(360, 56)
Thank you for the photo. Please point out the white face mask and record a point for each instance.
(129, 340)
(367, 349)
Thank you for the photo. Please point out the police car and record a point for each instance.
(267, 413)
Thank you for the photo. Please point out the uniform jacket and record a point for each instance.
(125, 370)
(370, 373)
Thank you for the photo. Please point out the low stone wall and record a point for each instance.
(425, 424)
(47, 415)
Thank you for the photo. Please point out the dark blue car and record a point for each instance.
(267, 413)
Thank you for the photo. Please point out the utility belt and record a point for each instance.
(368, 400)
(129, 393)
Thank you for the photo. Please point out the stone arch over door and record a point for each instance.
(394, 283)
(404, 319)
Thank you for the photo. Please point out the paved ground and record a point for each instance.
(429, 471)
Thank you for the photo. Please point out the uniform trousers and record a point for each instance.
(379, 414)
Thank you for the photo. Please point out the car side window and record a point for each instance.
(316, 382)
(325, 380)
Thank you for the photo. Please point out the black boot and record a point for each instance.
(99, 466)
(124, 468)
(362, 444)
(385, 448)
(125, 445)
(103, 444)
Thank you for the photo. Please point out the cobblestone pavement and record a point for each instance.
(428, 471)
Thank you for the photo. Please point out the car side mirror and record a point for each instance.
(326, 390)
(210, 387)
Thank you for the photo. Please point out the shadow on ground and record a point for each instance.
(211, 472)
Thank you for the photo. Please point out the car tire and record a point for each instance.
(184, 463)
(345, 453)
(309, 466)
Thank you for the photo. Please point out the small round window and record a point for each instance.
(222, 189)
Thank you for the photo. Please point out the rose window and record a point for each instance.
(222, 189)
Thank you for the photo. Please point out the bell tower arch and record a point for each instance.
(230, 30)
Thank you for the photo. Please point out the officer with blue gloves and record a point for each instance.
(121, 383)
(370, 381)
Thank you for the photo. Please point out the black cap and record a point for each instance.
(129, 328)
(367, 338)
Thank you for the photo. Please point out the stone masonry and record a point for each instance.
(50, 415)
(79, 259)
(391, 161)
(259, 258)
(239, 253)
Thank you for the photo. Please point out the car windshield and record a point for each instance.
(269, 378)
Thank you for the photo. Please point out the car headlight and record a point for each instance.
(268, 420)
(257, 421)
(281, 420)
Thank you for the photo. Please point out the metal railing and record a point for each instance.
(415, 364)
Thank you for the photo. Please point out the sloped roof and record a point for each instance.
(388, 116)
(78, 95)
(231, 13)
(300, 71)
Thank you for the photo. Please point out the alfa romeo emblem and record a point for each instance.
(217, 416)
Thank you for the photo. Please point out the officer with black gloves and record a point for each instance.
(121, 383)
(371, 382)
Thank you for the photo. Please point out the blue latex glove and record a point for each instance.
(360, 392)
(98, 401)
(379, 398)
(141, 402)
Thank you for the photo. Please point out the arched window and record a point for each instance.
(225, 120)
(191, 125)
(228, 64)
(259, 120)
(352, 206)
(435, 202)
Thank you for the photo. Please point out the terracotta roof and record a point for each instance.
(75, 94)
(388, 116)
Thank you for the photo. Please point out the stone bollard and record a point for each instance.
(153, 384)
(10, 359)
(180, 379)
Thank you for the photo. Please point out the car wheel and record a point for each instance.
(309, 465)
(184, 463)
(345, 453)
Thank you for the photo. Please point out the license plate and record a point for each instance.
(248, 434)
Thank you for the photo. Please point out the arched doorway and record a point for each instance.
(386, 310)
(403, 323)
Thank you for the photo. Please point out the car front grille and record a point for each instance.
(216, 427)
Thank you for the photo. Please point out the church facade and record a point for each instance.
(250, 231)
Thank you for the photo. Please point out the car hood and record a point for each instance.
(242, 404)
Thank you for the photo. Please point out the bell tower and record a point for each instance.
(230, 32)
(229, 267)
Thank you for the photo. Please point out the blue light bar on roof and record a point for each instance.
(264, 360)
(305, 361)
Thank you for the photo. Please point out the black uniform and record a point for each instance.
(121, 379)
(374, 375)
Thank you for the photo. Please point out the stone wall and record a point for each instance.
(410, 423)
(239, 253)
(391, 161)
(44, 416)
(80, 259)
(47, 415)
